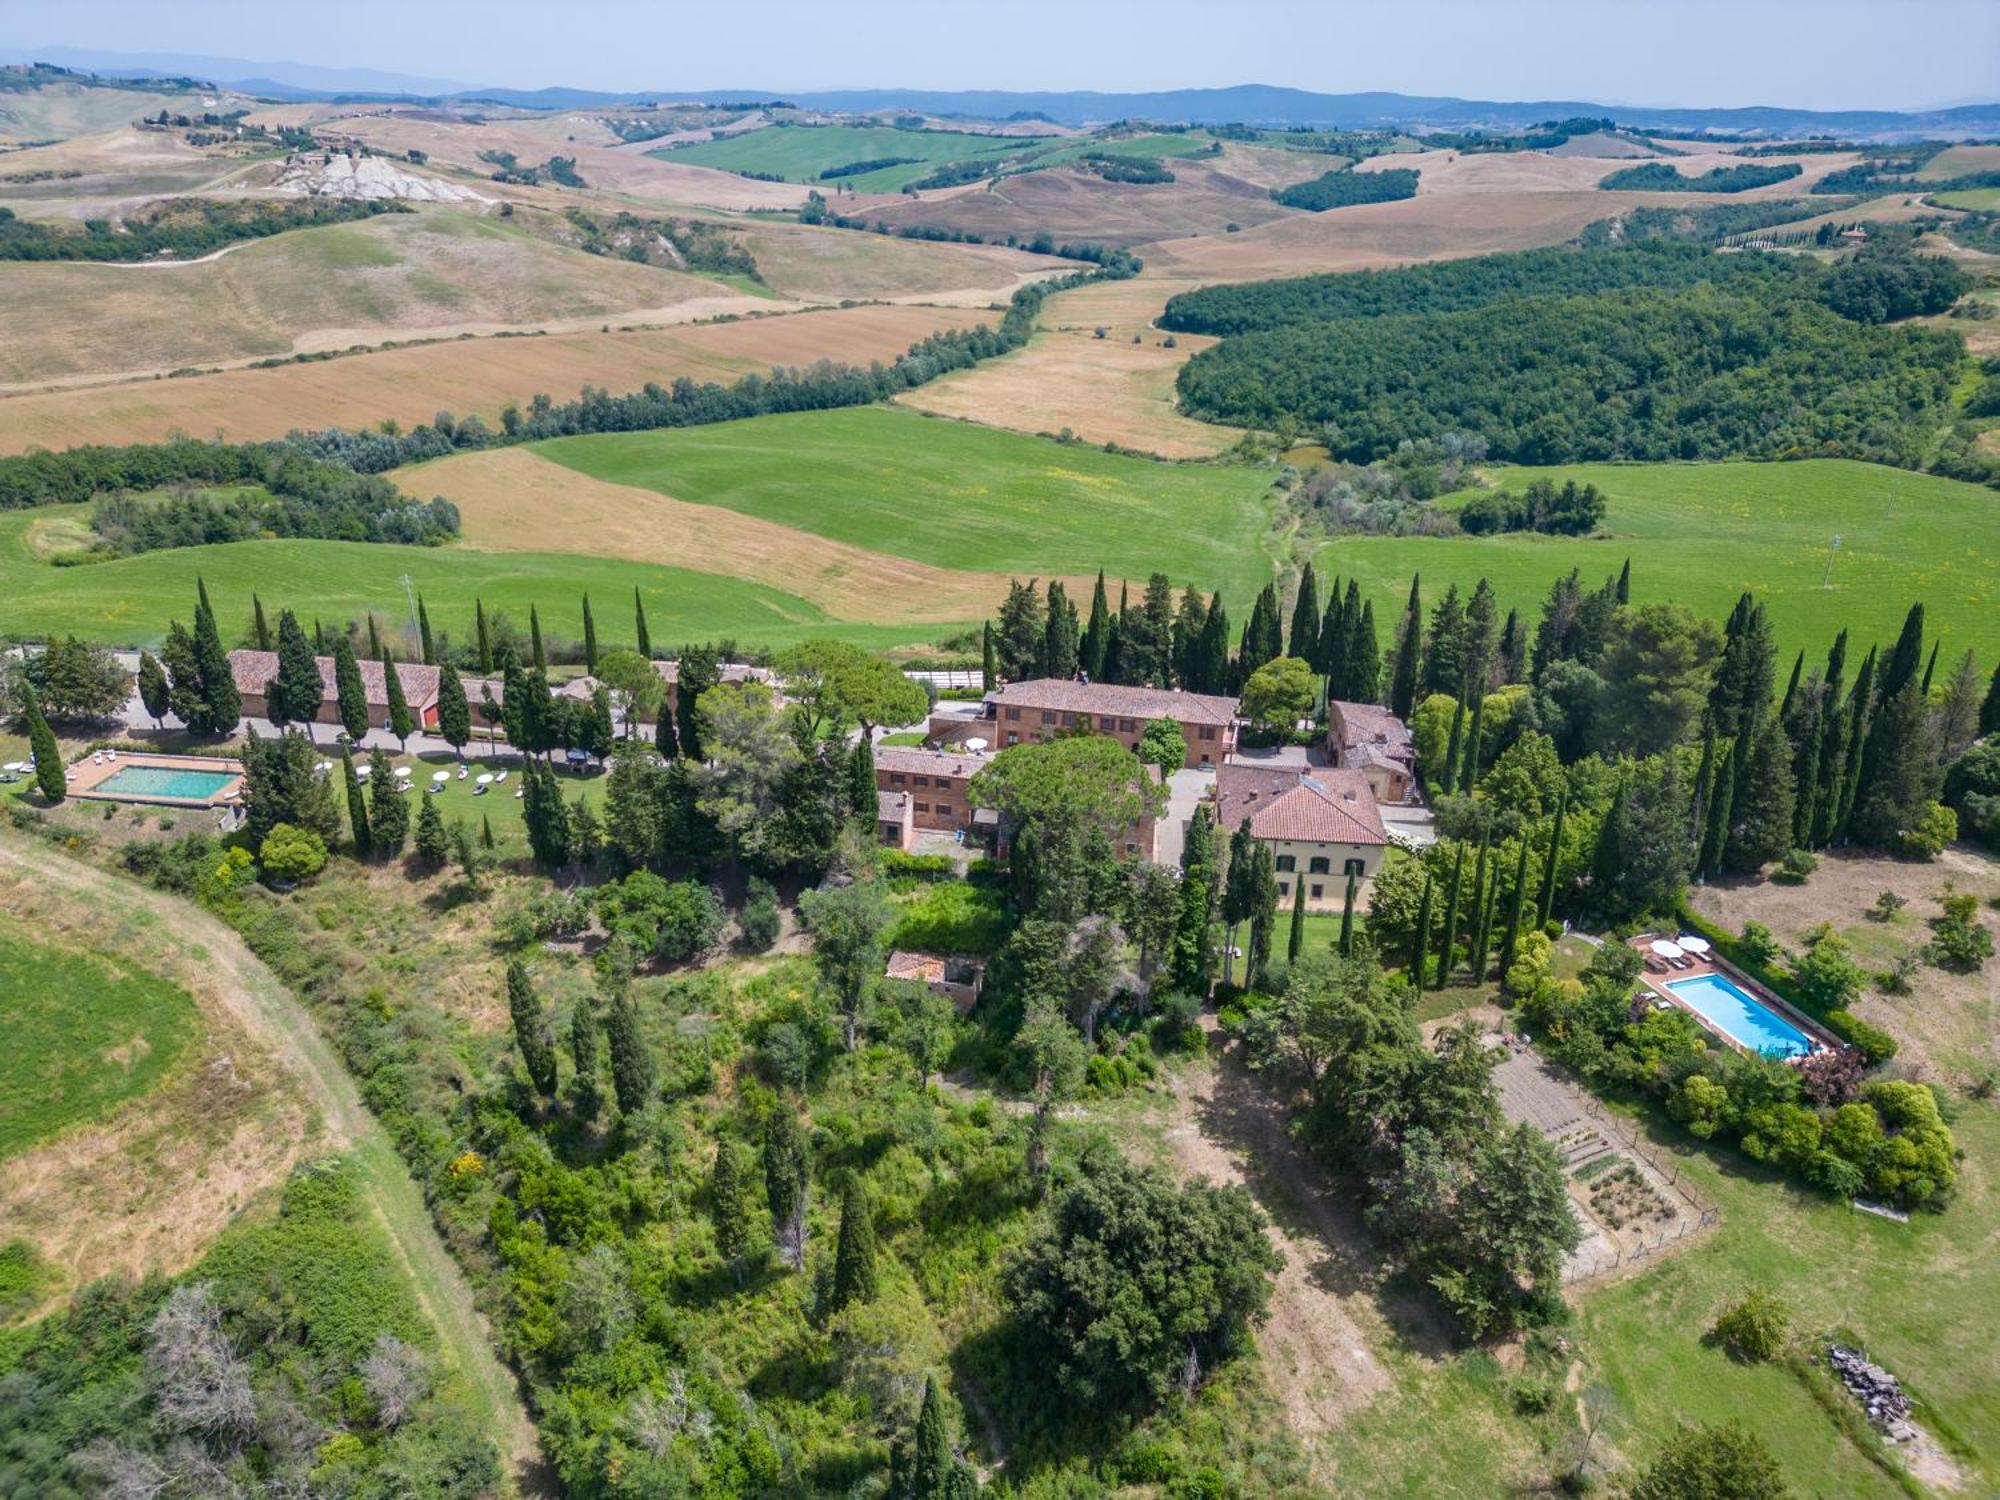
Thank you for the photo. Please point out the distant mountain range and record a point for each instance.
(1250, 103)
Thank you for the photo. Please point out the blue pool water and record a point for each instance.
(1741, 1017)
(165, 781)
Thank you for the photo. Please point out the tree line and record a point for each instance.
(1346, 187)
(1659, 177)
(179, 227)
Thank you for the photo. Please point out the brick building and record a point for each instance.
(1041, 708)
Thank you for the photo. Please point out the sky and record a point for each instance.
(1813, 54)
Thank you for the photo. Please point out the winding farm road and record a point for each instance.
(264, 1006)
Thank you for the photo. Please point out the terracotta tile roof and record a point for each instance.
(1369, 724)
(730, 671)
(253, 669)
(1318, 806)
(929, 762)
(578, 689)
(892, 807)
(1109, 698)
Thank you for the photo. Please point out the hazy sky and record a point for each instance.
(1802, 53)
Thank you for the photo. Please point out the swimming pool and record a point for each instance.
(166, 781)
(1741, 1017)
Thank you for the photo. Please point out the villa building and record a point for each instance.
(1023, 712)
(1367, 738)
(1321, 822)
(935, 781)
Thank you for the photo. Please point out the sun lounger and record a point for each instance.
(501, 777)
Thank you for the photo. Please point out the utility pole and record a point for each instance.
(1826, 579)
(410, 595)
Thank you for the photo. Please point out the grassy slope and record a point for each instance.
(132, 599)
(953, 494)
(84, 1035)
(1702, 533)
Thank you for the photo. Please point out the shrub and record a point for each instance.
(1754, 1330)
(1796, 867)
(290, 853)
(1958, 939)
(1935, 828)
(759, 918)
(1886, 906)
(1757, 944)
(1873, 1043)
(931, 867)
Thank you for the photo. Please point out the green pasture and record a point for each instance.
(1701, 534)
(130, 600)
(799, 153)
(955, 494)
(1985, 199)
(84, 1035)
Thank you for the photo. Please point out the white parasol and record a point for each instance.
(975, 744)
(1666, 949)
(485, 779)
(1693, 945)
(440, 777)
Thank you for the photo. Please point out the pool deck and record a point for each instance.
(90, 773)
(1656, 981)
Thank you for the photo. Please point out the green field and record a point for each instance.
(83, 1035)
(954, 494)
(1703, 533)
(799, 153)
(1986, 199)
(130, 600)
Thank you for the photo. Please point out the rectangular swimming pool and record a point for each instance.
(166, 781)
(1740, 1016)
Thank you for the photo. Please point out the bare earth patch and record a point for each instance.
(148, 1187)
(515, 500)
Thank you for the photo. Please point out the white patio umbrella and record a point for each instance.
(440, 777)
(1666, 949)
(485, 778)
(975, 744)
(1695, 945)
(402, 771)
(361, 772)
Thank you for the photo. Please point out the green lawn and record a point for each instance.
(130, 600)
(83, 1035)
(1703, 533)
(955, 494)
(1985, 199)
(799, 153)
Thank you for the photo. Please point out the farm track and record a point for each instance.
(260, 1002)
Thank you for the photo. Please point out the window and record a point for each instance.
(895, 778)
(1318, 891)
(1013, 713)
(1287, 863)
(1208, 731)
(1131, 848)
(921, 780)
(1047, 717)
(1013, 738)
(1356, 867)
(1319, 864)
(923, 807)
(1284, 888)
(1125, 726)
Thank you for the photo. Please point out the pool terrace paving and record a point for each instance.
(87, 778)
(1658, 974)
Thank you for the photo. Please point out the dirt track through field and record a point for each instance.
(513, 500)
(256, 1000)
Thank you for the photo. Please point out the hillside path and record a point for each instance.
(257, 999)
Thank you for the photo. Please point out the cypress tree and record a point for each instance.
(1896, 776)
(665, 738)
(1860, 706)
(484, 636)
(989, 673)
(1902, 664)
(1792, 687)
(1409, 653)
(1214, 651)
(1239, 890)
(295, 693)
(1832, 748)
(645, 636)
(350, 697)
(1364, 660)
(1624, 591)
(1059, 634)
(1445, 664)
(787, 1182)
(1704, 789)
(631, 1060)
(1470, 767)
(1096, 635)
(935, 1472)
(1715, 833)
(1482, 911)
(1607, 865)
(454, 723)
(357, 807)
(219, 704)
(1304, 641)
(1546, 905)
(729, 1185)
(400, 720)
(1334, 631)
(1760, 822)
(1420, 939)
(1194, 953)
(486, 831)
(1511, 938)
(319, 637)
(854, 1252)
(432, 845)
(154, 690)
(1190, 621)
(589, 639)
(1805, 774)
(1347, 917)
(1449, 938)
(1449, 780)
(539, 657)
(388, 814)
(374, 638)
(259, 630)
(531, 1030)
(1263, 915)
(1989, 708)
(861, 799)
(425, 641)
(543, 812)
(1513, 649)
(1295, 941)
(51, 777)
(1930, 665)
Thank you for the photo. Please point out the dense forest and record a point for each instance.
(1658, 177)
(1457, 285)
(1702, 373)
(179, 227)
(1345, 187)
